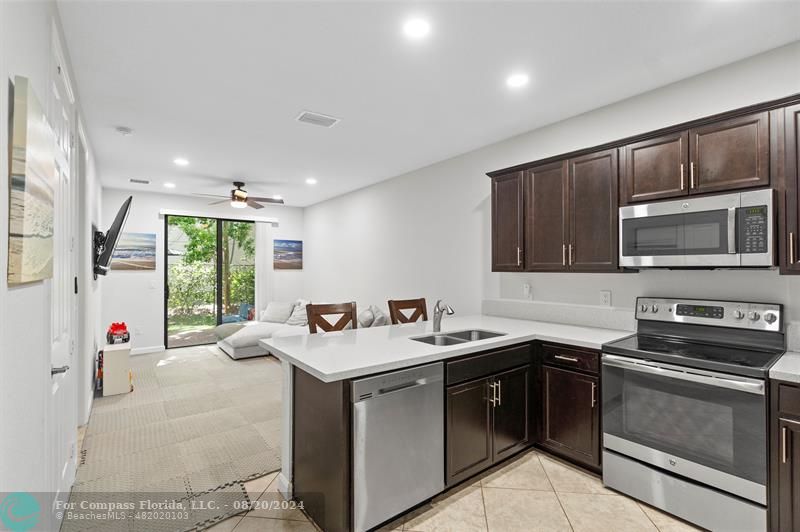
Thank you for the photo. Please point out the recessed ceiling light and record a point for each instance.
(180, 161)
(277, 197)
(169, 185)
(311, 181)
(517, 80)
(416, 28)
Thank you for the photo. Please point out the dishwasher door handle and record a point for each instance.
(404, 386)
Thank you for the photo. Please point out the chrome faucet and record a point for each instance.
(438, 312)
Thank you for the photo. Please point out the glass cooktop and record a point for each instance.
(726, 359)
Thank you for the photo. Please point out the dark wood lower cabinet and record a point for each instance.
(571, 415)
(487, 421)
(469, 438)
(510, 427)
(784, 496)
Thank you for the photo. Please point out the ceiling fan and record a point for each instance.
(240, 199)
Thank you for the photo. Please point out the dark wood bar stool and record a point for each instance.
(396, 306)
(317, 313)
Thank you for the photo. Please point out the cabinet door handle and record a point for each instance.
(519, 256)
(493, 399)
(499, 393)
(691, 175)
(682, 178)
(563, 254)
(594, 394)
(568, 359)
(784, 450)
(571, 259)
(791, 248)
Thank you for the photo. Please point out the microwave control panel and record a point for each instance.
(753, 224)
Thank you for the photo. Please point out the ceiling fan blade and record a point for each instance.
(253, 204)
(265, 200)
(210, 195)
(219, 202)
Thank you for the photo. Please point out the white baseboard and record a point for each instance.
(146, 350)
(285, 486)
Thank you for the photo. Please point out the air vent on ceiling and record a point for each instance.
(139, 181)
(317, 119)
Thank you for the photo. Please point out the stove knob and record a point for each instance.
(770, 318)
(754, 316)
(643, 308)
(655, 308)
(738, 314)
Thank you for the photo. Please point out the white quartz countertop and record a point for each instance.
(787, 368)
(347, 354)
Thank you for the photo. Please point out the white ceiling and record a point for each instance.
(221, 82)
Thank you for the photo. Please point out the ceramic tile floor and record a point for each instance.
(533, 492)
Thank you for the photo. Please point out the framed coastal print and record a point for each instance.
(135, 252)
(287, 255)
(32, 171)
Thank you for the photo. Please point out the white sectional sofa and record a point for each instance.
(277, 320)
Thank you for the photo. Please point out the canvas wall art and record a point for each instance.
(135, 251)
(288, 255)
(31, 189)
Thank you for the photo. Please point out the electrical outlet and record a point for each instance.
(605, 298)
(526, 291)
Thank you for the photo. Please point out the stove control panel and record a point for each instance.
(741, 315)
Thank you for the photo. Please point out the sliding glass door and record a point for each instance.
(209, 277)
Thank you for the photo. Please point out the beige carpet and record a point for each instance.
(196, 426)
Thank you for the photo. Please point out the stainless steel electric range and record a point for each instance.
(685, 409)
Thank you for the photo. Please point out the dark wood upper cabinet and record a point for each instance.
(507, 223)
(511, 431)
(469, 432)
(656, 168)
(571, 415)
(546, 220)
(789, 228)
(730, 154)
(593, 202)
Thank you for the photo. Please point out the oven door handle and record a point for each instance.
(719, 380)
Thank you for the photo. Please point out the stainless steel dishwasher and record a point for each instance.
(398, 442)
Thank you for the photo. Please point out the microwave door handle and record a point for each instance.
(732, 230)
(719, 382)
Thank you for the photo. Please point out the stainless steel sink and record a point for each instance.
(474, 335)
(458, 337)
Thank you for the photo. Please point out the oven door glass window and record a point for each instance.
(721, 428)
(700, 233)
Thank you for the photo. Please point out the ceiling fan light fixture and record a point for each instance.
(238, 204)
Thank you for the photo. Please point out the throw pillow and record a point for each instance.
(380, 317)
(299, 316)
(365, 318)
(277, 311)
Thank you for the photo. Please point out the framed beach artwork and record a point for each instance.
(31, 193)
(135, 252)
(288, 255)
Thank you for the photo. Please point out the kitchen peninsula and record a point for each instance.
(464, 405)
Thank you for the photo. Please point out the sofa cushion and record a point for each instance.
(365, 318)
(251, 334)
(380, 317)
(227, 329)
(277, 311)
(299, 315)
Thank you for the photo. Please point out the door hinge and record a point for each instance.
(76, 284)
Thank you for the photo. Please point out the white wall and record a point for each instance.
(25, 329)
(426, 233)
(137, 298)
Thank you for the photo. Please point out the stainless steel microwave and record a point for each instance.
(725, 231)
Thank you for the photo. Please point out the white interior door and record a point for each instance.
(62, 401)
